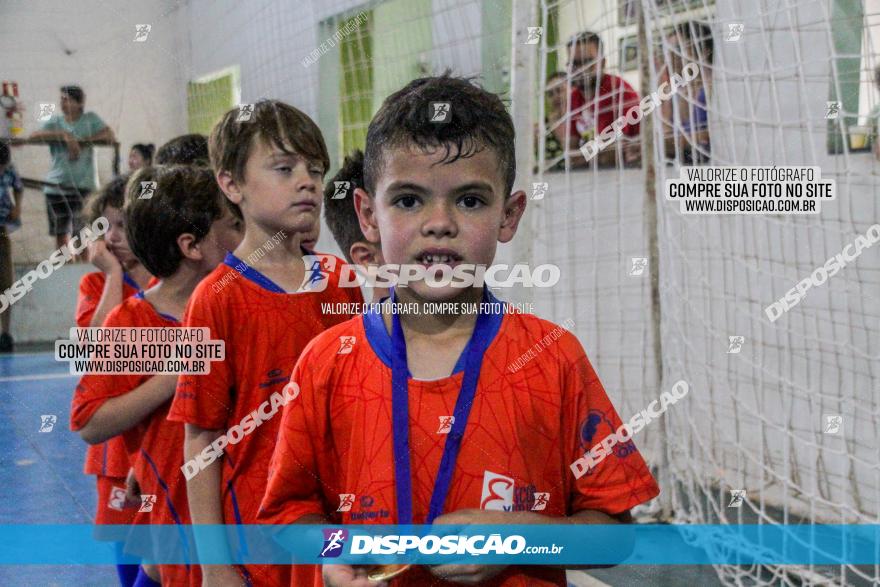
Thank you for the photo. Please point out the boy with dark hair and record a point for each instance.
(342, 218)
(11, 191)
(180, 235)
(120, 276)
(270, 165)
(191, 149)
(460, 438)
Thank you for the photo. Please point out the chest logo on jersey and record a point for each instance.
(274, 377)
(346, 345)
(366, 512)
(500, 493)
(446, 423)
(346, 500)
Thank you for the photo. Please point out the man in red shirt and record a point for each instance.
(598, 98)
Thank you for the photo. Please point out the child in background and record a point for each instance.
(424, 416)
(11, 191)
(191, 149)
(342, 219)
(140, 156)
(180, 235)
(121, 276)
(271, 168)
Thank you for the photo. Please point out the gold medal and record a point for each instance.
(385, 572)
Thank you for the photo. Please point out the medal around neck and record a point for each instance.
(385, 572)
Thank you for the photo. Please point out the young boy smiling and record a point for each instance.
(441, 194)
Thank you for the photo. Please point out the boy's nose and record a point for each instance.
(440, 221)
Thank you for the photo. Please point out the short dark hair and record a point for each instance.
(146, 151)
(186, 199)
(339, 213)
(191, 149)
(586, 37)
(74, 92)
(479, 121)
(5, 156)
(232, 140)
(110, 194)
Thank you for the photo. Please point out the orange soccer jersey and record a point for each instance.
(265, 330)
(155, 445)
(107, 460)
(335, 449)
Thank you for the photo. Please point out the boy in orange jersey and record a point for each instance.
(343, 221)
(265, 303)
(424, 421)
(120, 276)
(179, 235)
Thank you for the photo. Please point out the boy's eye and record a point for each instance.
(470, 201)
(284, 168)
(317, 169)
(407, 201)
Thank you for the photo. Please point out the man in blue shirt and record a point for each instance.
(73, 164)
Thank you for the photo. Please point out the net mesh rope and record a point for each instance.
(754, 419)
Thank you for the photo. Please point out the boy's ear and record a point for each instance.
(229, 186)
(365, 206)
(189, 247)
(514, 207)
(364, 254)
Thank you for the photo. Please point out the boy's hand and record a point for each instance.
(470, 574)
(348, 576)
(221, 576)
(102, 258)
(14, 214)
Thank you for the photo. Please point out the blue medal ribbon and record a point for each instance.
(475, 349)
(130, 281)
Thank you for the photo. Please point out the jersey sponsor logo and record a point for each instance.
(147, 503)
(366, 502)
(596, 426)
(497, 492)
(500, 493)
(541, 500)
(334, 540)
(275, 376)
(346, 345)
(446, 423)
(117, 499)
(346, 500)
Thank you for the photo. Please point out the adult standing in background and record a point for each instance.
(73, 164)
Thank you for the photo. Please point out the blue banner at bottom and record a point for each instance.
(574, 545)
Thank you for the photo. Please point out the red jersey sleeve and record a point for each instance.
(95, 389)
(621, 480)
(91, 287)
(577, 110)
(205, 400)
(294, 488)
